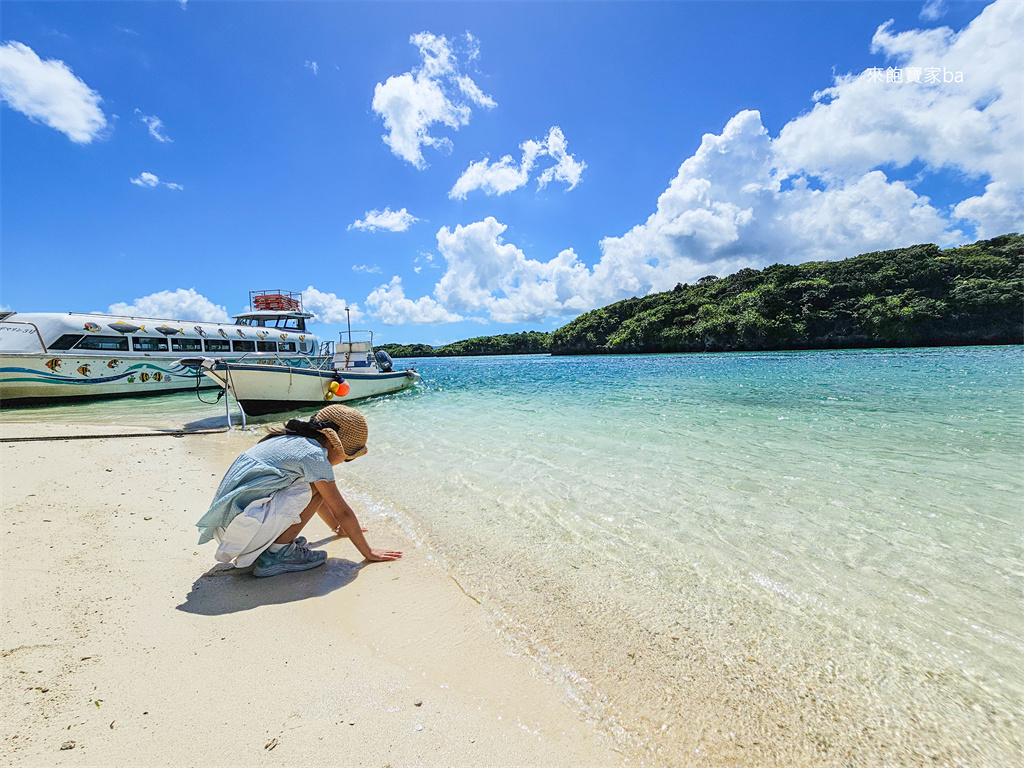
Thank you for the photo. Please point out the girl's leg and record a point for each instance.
(304, 517)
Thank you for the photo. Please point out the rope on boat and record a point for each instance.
(175, 433)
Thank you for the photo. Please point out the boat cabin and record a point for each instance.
(275, 309)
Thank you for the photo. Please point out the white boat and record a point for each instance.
(351, 372)
(52, 357)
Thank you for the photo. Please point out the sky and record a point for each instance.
(449, 170)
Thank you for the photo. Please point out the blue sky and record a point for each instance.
(451, 170)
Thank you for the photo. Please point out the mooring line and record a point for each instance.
(176, 433)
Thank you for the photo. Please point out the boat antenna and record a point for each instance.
(348, 319)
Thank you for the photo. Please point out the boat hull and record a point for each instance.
(28, 379)
(273, 389)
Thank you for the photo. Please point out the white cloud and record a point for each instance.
(485, 274)
(388, 304)
(327, 307)
(48, 92)
(433, 92)
(566, 169)
(392, 221)
(823, 189)
(728, 207)
(146, 179)
(155, 126)
(177, 305)
(374, 270)
(973, 127)
(505, 176)
(424, 257)
(312, 66)
(933, 10)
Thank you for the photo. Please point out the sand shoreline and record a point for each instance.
(123, 644)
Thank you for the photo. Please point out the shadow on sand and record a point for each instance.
(225, 589)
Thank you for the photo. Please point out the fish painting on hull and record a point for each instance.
(84, 369)
(222, 332)
(112, 364)
(200, 331)
(143, 377)
(167, 330)
(284, 336)
(241, 335)
(91, 327)
(122, 327)
(157, 376)
(262, 334)
(53, 364)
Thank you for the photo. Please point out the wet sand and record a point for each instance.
(123, 644)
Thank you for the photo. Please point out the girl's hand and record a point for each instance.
(382, 555)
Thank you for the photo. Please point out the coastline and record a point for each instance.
(121, 638)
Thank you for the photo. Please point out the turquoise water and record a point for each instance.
(778, 558)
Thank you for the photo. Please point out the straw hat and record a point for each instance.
(345, 428)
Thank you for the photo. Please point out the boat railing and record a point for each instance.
(317, 362)
(35, 329)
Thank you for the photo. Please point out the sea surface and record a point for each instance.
(804, 558)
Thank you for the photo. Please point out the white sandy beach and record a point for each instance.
(123, 645)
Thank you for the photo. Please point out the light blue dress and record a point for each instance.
(262, 471)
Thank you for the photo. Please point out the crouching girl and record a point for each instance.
(273, 489)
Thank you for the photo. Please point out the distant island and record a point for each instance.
(907, 297)
(525, 343)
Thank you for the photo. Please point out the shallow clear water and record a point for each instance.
(789, 558)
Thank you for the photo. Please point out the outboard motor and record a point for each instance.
(384, 361)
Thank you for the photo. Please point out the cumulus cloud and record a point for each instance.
(47, 91)
(327, 307)
(435, 91)
(179, 305)
(824, 188)
(146, 179)
(973, 126)
(155, 126)
(389, 305)
(392, 221)
(505, 176)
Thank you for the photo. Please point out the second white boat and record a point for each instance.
(353, 372)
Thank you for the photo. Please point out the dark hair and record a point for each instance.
(310, 429)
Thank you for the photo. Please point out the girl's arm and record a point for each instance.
(339, 510)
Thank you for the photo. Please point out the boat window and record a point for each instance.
(290, 323)
(67, 341)
(286, 346)
(186, 345)
(216, 345)
(266, 346)
(148, 344)
(243, 346)
(118, 343)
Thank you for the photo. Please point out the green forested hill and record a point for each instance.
(917, 296)
(525, 343)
